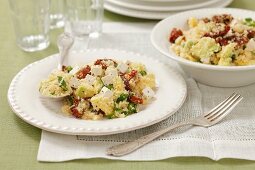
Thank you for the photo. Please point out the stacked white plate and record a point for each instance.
(159, 9)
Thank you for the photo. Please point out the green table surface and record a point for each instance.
(19, 141)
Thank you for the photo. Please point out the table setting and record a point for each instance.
(179, 84)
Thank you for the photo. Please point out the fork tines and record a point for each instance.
(224, 107)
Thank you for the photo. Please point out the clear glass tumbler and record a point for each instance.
(57, 13)
(31, 23)
(85, 17)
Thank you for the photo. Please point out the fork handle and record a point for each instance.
(128, 147)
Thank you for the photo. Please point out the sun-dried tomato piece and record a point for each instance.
(130, 75)
(225, 31)
(83, 72)
(222, 41)
(127, 77)
(175, 33)
(126, 82)
(63, 68)
(208, 35)
(127, 85)
(241, 40)
(100, 62)
(136, 100)
(76, 113)
(224, 18)
(251, 34)
(76, 102)
(114, 62)
(206, 20)
(219, 33)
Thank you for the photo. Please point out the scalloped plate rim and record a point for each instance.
(89, 132)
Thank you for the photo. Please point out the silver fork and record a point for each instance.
(208, 119)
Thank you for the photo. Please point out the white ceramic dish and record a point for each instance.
(162, 6)
(25, 100)
(154, 14)
(221, 76)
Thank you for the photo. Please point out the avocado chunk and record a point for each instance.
(205, 48)
(85, 90)
(226, 54)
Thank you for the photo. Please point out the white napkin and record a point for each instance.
(234, 137)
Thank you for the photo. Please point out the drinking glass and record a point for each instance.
(85, 17)
(57, 13)
(31, 23)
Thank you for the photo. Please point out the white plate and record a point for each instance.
(153, 14)
(162, 6)
(25, 100)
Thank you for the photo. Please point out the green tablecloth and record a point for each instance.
(19, 141)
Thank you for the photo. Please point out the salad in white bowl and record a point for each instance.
(214, 46)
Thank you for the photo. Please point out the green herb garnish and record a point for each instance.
(233, 56)
(70, 100)
(143, 73)
(132, 108)
(125, 113)
(53, 93)
(121, 111)
(122, 97)
(110, 86)
(117, 109)
(249, 22)
(111, 116)
(248, 19)
(62, 83)
(69, 68)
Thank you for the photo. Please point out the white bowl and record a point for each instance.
(221, 76)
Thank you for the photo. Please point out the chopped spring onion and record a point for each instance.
(249, 22)
(69, 68)
(70, 100)
(248, 19)
(110, 86)
(143, 73)
(132, 108)
(122, 97)
(62, 83)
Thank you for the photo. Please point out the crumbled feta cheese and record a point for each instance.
(108, 62)
(205, 60)
(122, 67)
(127, 62)
(106, 92)
(148, 92)
(230, 33)
(234, 22)
(74, 70)
(104, 89)
(111, 72)
(96, 70)
(250, 46)
(156, 84)
(90, 79)
(74, 82)
(107, 79)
